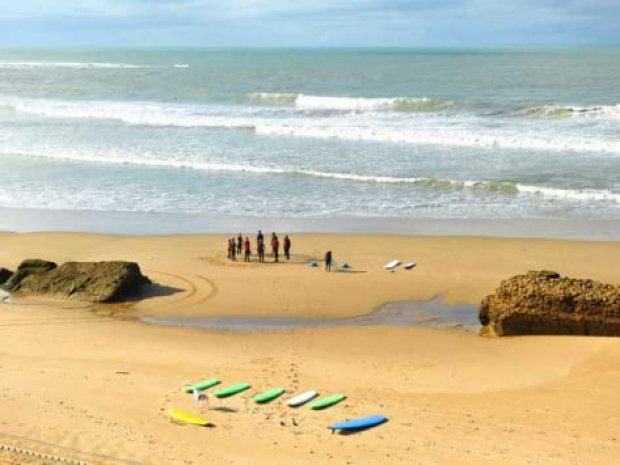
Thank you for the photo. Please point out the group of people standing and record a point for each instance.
(238, 246)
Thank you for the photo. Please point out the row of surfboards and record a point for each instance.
(393, 264)
(270, 395)
(267, 396)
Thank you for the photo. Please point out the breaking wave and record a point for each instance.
(79, 65)
(561, 112)
(133, 113)
(437, 130)
(500, 187)
(315, 102)
(450, 137)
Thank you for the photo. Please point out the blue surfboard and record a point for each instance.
(360, 423)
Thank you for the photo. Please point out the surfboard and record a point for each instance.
(391, 265)
(268, 396)
(232, 390)
(360, 423)
(327, 401)
(409, 266)
(186, 417)
(303, 398)
(202, 385)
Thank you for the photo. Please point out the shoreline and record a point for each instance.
(153, 223)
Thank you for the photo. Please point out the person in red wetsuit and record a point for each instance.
(247, 249)
(275, 247)
(287, 247)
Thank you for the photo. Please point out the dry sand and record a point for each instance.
(78, 384)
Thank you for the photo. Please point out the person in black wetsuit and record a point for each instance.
(287, 247)
(233, 250)
(275, 247)
(328, 260)
(260, 246)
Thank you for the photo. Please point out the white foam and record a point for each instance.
(317, 102)
(133, 113)
(314, 102)
(571, 194)
(560, 111)
(447, 136)
(421, 129)
(506, 187)
(77, 65)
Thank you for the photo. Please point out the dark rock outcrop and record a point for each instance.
(29, 271)
(543, 302)
(5, 275)
(91, 281)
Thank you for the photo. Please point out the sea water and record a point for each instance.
(312, 134)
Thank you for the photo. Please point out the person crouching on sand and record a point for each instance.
(275, 247)
(328, 260)
(287, 247)
(247, 249)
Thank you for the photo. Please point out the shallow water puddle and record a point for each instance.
(428, 313)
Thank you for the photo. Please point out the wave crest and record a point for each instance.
(563, 112)
(276, 98)
(500, 187)
(316, 102)
(79, 65)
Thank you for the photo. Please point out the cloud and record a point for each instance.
(312, 22)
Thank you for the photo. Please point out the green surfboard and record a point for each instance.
(327, 401)
(268, 396)
(206, 384)
(232, 390)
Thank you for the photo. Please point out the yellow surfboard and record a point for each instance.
(186, 417)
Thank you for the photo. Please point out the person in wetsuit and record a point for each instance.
(328, 260)
(287, 247)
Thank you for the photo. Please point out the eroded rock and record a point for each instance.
(5, 275)
(90, 281)
(543, 302)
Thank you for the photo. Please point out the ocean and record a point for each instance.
(428, 134)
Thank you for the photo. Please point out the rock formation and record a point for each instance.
(543, 302)
(5, 275)
(91, 281)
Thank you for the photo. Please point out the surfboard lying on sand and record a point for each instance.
(327, 401)
(301, 399)
(360, 423)
(202, 385)
(186, 417)
(391, 265)
(231, 390)
(268, 396)
(409, 266)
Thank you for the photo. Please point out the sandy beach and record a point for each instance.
(84, 385)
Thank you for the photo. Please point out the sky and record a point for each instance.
(309, 23)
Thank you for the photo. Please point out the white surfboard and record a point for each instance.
(301, 399)
(409, 266)
(391, 265)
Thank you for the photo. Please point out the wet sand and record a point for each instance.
(81, 384)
